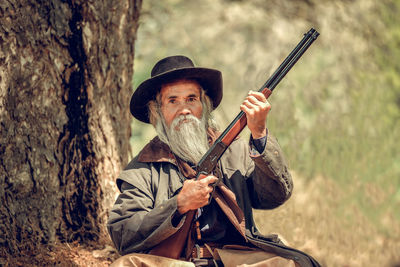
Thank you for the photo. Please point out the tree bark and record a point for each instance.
(65, 83)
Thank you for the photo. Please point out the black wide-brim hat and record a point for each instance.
(169, 69)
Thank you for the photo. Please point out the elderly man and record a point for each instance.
(157, 189)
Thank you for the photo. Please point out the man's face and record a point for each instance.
(181, 97)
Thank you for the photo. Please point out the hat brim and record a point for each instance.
(209, 79)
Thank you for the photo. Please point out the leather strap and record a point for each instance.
(204, 251)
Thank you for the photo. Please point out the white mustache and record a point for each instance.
(183, 119)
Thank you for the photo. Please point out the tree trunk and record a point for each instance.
(65, 83)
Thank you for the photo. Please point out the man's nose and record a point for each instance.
(184, 109)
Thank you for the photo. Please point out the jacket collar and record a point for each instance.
(156, 151)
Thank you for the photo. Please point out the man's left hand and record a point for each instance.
(256, 107)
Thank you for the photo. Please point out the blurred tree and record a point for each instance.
(65, 83)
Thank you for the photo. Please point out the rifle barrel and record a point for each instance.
(288, 59)
(293, 61)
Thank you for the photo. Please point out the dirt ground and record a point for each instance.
(68, 255)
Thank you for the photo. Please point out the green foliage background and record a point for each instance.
(336, 114)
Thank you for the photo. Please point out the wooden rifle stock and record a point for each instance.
(173, 246)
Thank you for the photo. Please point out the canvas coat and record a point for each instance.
(143, 214)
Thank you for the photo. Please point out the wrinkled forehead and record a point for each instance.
(180, 88)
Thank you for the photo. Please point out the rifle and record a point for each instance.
(173, 246)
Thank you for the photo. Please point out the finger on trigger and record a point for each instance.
(212, 178)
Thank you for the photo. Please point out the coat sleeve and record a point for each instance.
(135, 224)
(270, 180)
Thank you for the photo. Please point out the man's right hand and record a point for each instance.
(195, 193)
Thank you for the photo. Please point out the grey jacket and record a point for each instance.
(142, 215)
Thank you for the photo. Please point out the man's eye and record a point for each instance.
(171, 101)
(191, 99)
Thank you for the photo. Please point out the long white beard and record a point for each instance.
(186, 137)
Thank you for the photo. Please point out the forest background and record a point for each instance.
(336, 114)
